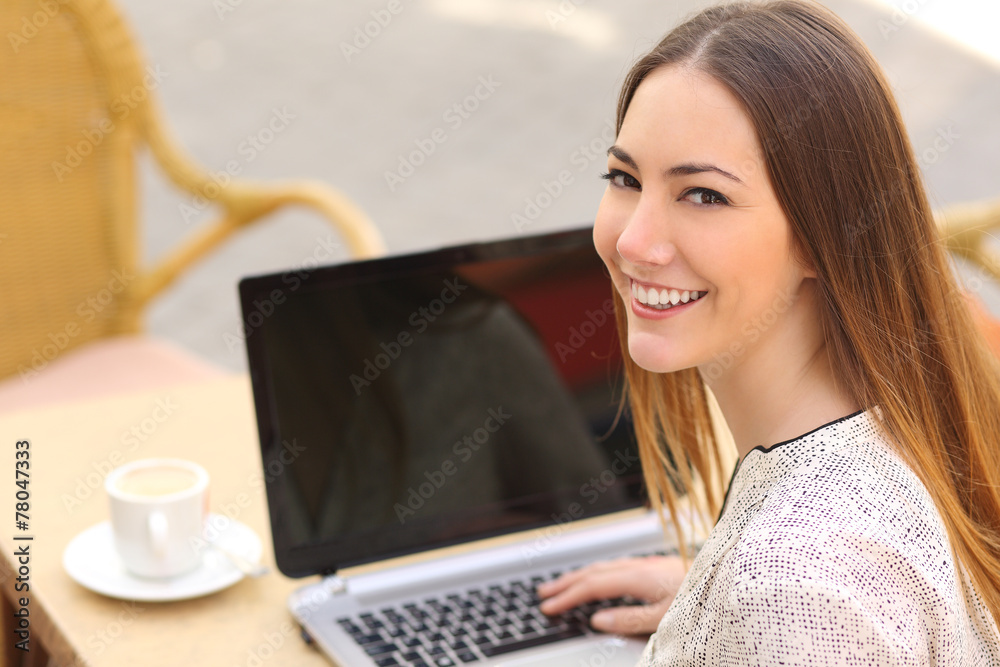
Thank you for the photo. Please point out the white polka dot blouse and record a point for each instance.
(828, 551)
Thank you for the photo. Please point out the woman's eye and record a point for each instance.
(705, 197)
(620, 179)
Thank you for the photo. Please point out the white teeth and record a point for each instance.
(665, 298)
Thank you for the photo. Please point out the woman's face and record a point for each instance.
(689, 217)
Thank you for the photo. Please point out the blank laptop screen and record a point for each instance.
(424, 400)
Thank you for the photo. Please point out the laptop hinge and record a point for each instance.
(335, 584)
(303, 601)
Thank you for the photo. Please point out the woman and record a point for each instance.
(769, 239)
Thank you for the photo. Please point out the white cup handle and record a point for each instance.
(157, 525)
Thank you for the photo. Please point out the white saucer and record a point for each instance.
(91, 559)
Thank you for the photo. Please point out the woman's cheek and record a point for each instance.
(606, 230)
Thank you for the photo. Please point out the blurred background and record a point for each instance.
(446, 120)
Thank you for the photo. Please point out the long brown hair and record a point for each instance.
(898, 331)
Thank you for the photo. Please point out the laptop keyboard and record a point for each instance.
(459, 629)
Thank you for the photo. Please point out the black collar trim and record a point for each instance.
(765, 449)
(768, 448)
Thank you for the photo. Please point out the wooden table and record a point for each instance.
(72, 448)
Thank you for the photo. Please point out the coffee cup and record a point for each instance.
(158, 513)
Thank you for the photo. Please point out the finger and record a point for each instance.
(549, 588)
(602, 585)
(639, 620)
(556, 586)
(651, 579)
(566, 580)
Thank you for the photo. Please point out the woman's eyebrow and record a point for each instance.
(679, 170)
(687, 169)
(620, 153)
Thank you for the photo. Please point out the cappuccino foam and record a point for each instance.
(156, 481)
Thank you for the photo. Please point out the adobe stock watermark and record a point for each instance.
(87, 310)
(306, 604)
(32, 25)
(454, 116)
(420, 320)
(751, 332)
(588, 327)
(324, 251)
(229, 511)
(900, 17)
(794, 120)
(121, 107)
(602, 655)
(974, 284)
(463, 450)
(590, 491)
(277, 463)
(563, 12)
(130, 441)
(549, 190)
(878, 207)
(945, 139)
(249, 149)
(100, 641)
(371, 30)
(271, 643)
(225, 7)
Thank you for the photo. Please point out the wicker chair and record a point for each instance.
(967, 229)
(76, 104)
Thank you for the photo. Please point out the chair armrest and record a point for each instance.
(965, 226)
(242, 203)
(245, 203)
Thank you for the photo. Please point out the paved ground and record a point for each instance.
(546, 73)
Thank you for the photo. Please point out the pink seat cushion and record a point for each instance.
(112, 366)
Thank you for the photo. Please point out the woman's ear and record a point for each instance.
(802, 258)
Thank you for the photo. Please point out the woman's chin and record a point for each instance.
(654, 355)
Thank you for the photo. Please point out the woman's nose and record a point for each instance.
(646, 239)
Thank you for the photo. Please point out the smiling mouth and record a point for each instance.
(664, 299)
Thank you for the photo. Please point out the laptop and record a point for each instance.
(440, 433)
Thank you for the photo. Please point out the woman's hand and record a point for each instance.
(653, 579)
